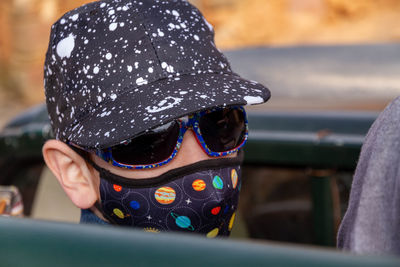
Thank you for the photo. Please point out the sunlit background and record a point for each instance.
(238, 24)
(313, 54)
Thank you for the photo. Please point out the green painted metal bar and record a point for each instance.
(35, 243)
(323, 221)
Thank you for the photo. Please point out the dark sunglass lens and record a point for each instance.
(223, 130)
(154, 146)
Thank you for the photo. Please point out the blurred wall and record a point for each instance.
(25, 26)
(24, 30)
(241, 23)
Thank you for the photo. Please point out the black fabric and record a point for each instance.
(115, 69)
(202, 202)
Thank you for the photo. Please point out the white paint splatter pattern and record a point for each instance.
(167, 103)
(114, 74)
(65, 46)
(251, 100)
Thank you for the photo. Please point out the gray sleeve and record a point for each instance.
(371, 224)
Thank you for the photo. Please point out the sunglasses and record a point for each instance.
(219, 131)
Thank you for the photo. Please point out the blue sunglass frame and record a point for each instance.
(193, 123)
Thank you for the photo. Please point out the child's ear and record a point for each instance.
(78, 180)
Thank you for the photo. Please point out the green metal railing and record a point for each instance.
(34, 243)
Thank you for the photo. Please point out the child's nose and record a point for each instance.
(190, 150)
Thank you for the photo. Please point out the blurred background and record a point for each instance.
(25, 25)
(331, 55)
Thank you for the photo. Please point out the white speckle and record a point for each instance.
(196, 37)
(96, 70)
(171, 26)
(113, 96)
(183, 92)
(170, 68)
(183, 25)
(160, 33)
(75, 17)
(86, 41)
(111, 12)
(62, 21)
(99, 98)
(141, 81)
(136, 65)
(129, 67)
(125, 8)
(175, 13)
(164, 104)
(103, 5)
(122, 24)
(85, 69)
(203, 96)
(113, 26)
(150, 70)
(253, 100)
(108, 56)
(107, 134)
(65, 46)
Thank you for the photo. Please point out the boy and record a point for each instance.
(147, 117)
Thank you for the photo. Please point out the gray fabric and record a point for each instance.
(371, 224)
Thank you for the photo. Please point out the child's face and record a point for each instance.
(190, 152)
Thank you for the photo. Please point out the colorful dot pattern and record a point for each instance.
(202, 202)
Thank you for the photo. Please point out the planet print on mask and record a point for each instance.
(117, 188)
(151, 230)
(217, 182)
(119, 213)
(213, 209)
(216, 210)
(231, 221)
(227, 208)
(182, 221)
(165, 195)
(234, 178)
(199, 185)
(213, 233)
(198, 188)
(134, 205)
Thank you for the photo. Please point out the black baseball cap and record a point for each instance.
(115, 69)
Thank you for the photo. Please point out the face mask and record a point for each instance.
(198, 198)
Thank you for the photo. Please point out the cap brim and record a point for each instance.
(136, 110)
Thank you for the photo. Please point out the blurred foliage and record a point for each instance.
(25, 27)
